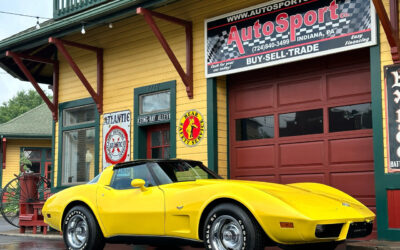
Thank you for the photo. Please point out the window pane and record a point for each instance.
(48, 154)
(166, 153)
(165, 137)
(123, 177)
(78, 155)
(79, 115)
(301, 123)
(156, 153)
(154, 103)
(255, 128)
(156, 138)
(33, 154)
(351, 117)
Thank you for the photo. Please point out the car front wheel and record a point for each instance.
(81, 231)
(228, 226)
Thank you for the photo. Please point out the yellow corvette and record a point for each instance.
(152, 201)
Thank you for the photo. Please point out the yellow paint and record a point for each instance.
(134, 58)
(13, 155)
(173, 210)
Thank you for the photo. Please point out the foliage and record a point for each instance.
(24, 162)
(19, 104)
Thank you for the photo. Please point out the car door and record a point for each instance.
(125, 210)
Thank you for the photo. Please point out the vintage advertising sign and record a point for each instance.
(154, 118)
(282, 31)
(392, 91)
(116, 137)
(191, 128)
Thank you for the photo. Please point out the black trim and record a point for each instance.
(154, 240)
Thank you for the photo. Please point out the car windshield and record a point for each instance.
(179, 171)
(95, 179)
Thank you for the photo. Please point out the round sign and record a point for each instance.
(116, 145)
(191, 127)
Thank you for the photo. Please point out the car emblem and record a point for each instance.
(345, 204)
(179, 207)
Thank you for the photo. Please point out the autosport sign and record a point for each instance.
(392, 90)
(116, 137)
(278, 32)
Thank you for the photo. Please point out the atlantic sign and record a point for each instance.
(278, 32)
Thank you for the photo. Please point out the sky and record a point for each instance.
(9, 25)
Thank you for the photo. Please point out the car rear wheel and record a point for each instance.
(228, 226)
(81, 231)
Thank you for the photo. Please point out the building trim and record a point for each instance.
(212, 125)
(139, 132)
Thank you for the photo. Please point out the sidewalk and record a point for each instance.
(373, 245)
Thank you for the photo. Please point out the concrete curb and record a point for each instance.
(31, 235)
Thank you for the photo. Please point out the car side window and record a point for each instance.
(123, 177)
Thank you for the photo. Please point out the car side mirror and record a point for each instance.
(139, 183)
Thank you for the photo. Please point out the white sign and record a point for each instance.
(116, 137)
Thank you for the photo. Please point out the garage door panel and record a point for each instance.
(310, 89)
(358, 184)
(254, 98)
(320, 178)
(349, 83)
(351, 150)
(298, 154)
(264, 178)
(255, 157)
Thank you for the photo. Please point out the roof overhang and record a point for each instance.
(35, 41)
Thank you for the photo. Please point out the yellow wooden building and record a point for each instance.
(30, 135)
(281, 91)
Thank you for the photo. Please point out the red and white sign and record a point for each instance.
(116, 137)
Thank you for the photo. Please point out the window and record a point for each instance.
(158, 142)
(154, 102)
(255, 128)
(78, 148)
(301, 123)
(79, 115)
(352, 117)
(123, 177)
(78, 142)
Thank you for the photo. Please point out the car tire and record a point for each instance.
(81, 231)
(228, 226)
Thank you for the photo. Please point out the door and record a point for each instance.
(305, 122)
(158, 142)
(125, 210)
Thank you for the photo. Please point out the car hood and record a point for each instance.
(314, 203)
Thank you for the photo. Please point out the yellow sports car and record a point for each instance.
(157, 201)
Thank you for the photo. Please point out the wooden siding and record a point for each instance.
(134, 58)
(222, 127)
(13, 155)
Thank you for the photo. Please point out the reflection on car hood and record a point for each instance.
(312, 203)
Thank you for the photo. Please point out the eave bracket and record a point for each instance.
(187, 77)
(53, 105)
(97, 96)
(390, 26)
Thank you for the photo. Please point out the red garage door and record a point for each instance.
(309, 121)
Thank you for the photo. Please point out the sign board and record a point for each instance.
(283, 31)
(116, 137)
(392, 90)
(191, 128)
(153, 118)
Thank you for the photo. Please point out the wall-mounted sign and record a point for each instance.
(282, 31)
(154, 118)
(392, 90)
(191, 127)
(116, 137)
